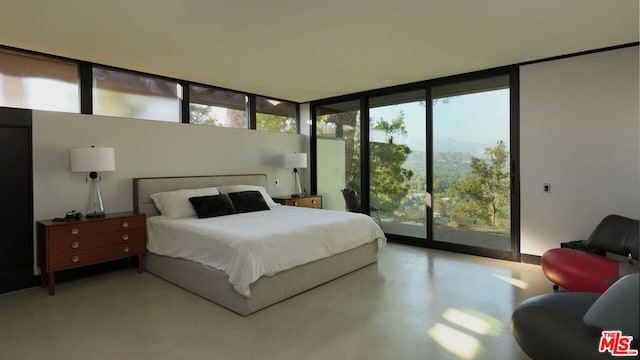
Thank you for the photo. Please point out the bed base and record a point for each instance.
(214, 284)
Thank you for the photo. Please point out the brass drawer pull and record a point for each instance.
(75, 245)
(75, 231)
(313, 201)
(125, 237)
(75, 258)
(125, 249)
(295, 203)
(125, 224)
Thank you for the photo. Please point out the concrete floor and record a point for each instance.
(414, 304)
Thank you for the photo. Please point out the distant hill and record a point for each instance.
(451, 145)
(443, 145)
(445, 164)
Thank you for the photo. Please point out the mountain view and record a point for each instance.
(443, 145)
(448, 167)
(450, 145)
(451, 159)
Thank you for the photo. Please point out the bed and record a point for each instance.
(237, 291)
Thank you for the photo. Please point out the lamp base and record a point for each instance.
(90, 216)
(95, 207)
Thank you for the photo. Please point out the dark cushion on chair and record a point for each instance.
(551, 327)
(570, 325)
(617, 234)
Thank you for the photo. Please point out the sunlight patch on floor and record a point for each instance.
(456, 342)
(468, 321)
(515, 282)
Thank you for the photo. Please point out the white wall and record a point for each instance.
(580, 132)
(148, 148)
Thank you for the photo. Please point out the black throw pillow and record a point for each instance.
(212, 205)
(248, 201)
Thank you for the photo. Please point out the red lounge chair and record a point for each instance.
(576, 270)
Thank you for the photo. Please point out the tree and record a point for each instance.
(389, 180)
(485, 194)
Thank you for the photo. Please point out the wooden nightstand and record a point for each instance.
(311, 201)
(73, 244)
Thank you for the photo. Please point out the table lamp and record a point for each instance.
(92, 161)
(295, 161)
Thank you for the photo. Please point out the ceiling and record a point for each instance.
(304, 50)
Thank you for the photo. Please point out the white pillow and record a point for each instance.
(225, 189)
(176, 205)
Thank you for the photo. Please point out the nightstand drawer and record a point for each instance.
(70, 244)
(92, 256)
(311, 201)
(88, 228)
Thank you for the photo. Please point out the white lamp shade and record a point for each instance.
(296, 160)
(93, 159)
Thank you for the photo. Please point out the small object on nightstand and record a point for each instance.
(80, 242)
(311, 201)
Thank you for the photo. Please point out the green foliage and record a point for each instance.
(485, 194)
(389, 179)
(448, 169)
(276, 123)
(392, 128)
(199, 114)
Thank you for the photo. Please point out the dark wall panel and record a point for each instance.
(16, 207)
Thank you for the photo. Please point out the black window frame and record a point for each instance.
(513, 72)
(85, 84)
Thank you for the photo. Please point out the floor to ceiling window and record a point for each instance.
(471, 163)
(397, 162)
(433, 163)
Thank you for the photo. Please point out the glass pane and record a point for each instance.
(338, 152)
(211, 106)
(471, 179)
(398, 163)
(33, 82)
(276, 115)
(128, 94)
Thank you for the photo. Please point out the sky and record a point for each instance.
(481, 118)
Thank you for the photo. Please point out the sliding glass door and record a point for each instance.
(397, 162)
(435, 164)
(471, 163)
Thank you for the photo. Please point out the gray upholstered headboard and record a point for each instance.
(144, 187)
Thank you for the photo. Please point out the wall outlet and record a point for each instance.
(277, 182)
(546, 188)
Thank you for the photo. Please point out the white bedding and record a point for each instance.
(250, 245)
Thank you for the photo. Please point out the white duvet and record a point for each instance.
(250, 245)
